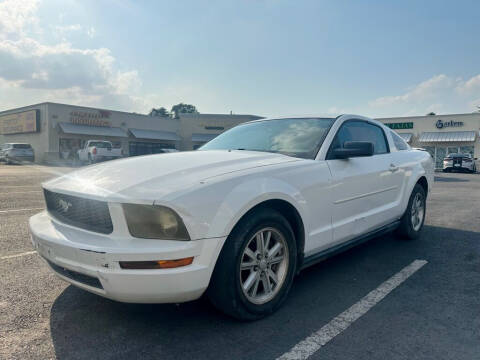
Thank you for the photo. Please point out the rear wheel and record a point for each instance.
(412, 220)
(256, 266)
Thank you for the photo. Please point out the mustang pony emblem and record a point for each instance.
(64, 205)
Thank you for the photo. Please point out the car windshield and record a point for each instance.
(21, 146)
(300, 137)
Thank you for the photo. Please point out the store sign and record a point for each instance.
(19, 123)
(400, 126)
(91, 118)
(440, 124)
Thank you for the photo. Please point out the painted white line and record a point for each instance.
(17, 255)
(315, 341)
(13, 210)
(20, 192)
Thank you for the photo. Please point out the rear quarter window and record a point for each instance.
(399, 143)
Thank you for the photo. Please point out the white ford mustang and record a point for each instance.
(236, 219)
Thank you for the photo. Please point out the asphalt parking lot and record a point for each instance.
(434, 314)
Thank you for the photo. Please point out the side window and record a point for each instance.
(400, 144)
(361, 131)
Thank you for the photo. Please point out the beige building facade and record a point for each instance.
(57, 131)
(440, 134)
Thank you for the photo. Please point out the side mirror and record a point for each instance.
(353, 149)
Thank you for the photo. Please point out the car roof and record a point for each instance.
(318, 116)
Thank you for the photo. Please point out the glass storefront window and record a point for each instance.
(467, 150)
(452, 150)
(431, 150)
(68, 148)
(440, 152)
(440, 155)
(137, 148)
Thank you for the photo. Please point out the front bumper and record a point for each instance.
(462, 167)
(20, 158)
(91, 261)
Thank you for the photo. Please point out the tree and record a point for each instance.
(161, 112)
(183, 108)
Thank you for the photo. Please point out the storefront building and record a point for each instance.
(440, 134)
(57, 131)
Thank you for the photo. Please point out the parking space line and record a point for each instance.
(315, 341)
(13, 210)
(17, 255)
(21, 192)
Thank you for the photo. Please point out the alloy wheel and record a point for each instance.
(418, 211)
(264, 265)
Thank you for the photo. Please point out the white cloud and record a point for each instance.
(16, 16)
(32, 70)
(440, 94)
(91, 32)
(471, 86)
(424, 91)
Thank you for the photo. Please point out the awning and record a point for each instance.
(406, 136)
(154, 134)
(203, 137)
(69, 128)
(447, 136)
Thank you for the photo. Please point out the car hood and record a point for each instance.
(148, 178)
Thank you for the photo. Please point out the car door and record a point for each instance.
(364, 187)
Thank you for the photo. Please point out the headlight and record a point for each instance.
(154, 222)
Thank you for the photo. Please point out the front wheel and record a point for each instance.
(412, 220)
(256, 266)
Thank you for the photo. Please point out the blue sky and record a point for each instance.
(270, 57)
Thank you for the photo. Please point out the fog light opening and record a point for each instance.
(156, 264)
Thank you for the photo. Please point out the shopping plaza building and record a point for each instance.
(440, 134)
(57, 131)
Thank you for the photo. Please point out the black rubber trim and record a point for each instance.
(334, 250)
(73, 275)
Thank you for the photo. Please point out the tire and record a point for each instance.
(408, 229)
(229, 291)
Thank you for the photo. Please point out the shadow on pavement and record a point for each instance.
(450, 179)
(86, 326)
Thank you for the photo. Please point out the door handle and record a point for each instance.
(393, 168)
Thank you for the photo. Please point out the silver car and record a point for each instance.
(459, 162)
(16, 153)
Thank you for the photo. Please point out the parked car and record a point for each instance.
(459, 162)
(96, 151)
(237, 218)
(16, 153)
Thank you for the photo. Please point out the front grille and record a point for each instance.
(81, 278)
(92, 215)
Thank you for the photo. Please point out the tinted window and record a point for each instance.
(361, 131)
(400, 144)
(22, 146)
(300, 137)
(101, 144)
